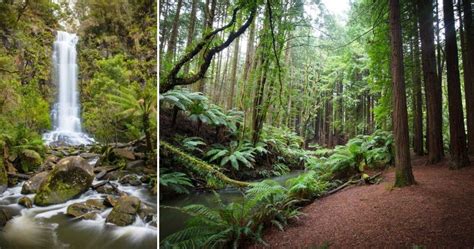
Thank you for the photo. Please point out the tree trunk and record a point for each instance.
(209, 13)
(468, 64)
(417, 98)
(432, 86)
(403, 173)
(458, 148)
(233, 79)
(174, 33)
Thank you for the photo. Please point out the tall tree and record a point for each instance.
(417, 98)
(174, 33)
(403, 174)
(192, 24)
(458, 148)
(468, 64)
(432, 85)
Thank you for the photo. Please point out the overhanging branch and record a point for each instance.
(172, 79)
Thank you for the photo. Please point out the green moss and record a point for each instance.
(201, 165)
(61, 186)
(3, 174)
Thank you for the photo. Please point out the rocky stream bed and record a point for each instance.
(80, 197)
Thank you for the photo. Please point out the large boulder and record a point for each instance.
(30, 160)
(70, 177)
(124, 211)
(32, 185)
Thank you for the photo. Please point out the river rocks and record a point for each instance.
(3, 177)
(108, 189)
(25, 202)
(5, 216)
(71, 177)
(146, 213)
(29, 160)
(133, 165)
(124, 211)
(87, 155)
(130, 179)
(110, 201)
(33, 184)
(87, 210)
(126, 154)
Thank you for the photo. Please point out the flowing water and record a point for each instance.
(172, 220)
(49, 227)
(66, 111)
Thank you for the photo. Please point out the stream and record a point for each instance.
(172, 220)
(49, 227)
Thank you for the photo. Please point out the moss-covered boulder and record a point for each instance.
(30, 160)
(124, 211)
(86, 210)
(70, 177)
(25, 202)
(32, 185)
(3, 176)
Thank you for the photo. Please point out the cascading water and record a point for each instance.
(65, 113)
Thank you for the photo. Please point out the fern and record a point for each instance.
(236, 154)
(176, 181)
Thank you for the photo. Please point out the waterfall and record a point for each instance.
(66, 111)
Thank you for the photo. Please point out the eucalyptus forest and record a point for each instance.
(78, 124)
(307, 124)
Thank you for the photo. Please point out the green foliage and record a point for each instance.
(225, 226)
(307, 186)
(236, 154)
(175, 181)
(192, 144)
(116, 108)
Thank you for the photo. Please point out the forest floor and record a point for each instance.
(438, 212)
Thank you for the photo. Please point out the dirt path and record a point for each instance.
(436, 213)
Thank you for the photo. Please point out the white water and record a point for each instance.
(66, 112)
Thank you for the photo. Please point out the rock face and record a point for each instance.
(124, 211)
(32, 185)
(30, 160)
(71, 177)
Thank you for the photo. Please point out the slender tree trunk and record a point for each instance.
(192, 24)
(209, 13)
(432, 86)
(164, 8)
(458, 148)
(403, 173)
(417, 97)
(233, 79)
(174, 33)
(468, 64)
(249, 61)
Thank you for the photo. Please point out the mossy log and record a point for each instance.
(196, 162)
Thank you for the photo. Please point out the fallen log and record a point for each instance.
(368, 180)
